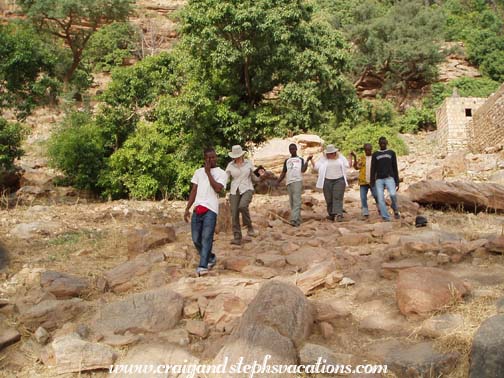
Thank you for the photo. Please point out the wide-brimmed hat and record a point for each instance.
(330, 149)
(236, 152)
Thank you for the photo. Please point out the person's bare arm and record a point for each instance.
(213, 183)
(305, 165)
(190, 201)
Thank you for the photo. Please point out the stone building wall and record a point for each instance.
(452, 119)
(487, 126)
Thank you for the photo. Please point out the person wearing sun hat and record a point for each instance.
(241, 173)
(332, 180)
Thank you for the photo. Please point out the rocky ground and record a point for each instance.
(85, 284)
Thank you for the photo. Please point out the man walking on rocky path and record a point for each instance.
(364, 167)
(384, 174)
(293, 168)
(207, 183)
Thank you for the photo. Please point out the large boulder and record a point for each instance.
(469, 195)
(150, 311)
(422, 290)
(276, 321)
(487, 358)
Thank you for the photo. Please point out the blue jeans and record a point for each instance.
(363, 197)
(390, 184)
(202, 231)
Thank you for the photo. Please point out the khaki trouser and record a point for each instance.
(240, 204)
(295, 190)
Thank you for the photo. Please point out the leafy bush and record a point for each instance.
(109, 46)
(348, 138)
(149, 165)
(416, 119)
(78, 150)
(11, 135)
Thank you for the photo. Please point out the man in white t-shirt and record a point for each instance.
(293, 168)
(207, 183)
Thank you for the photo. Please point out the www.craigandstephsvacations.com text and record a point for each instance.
(192, 370)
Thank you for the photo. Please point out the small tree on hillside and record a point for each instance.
(75, 21)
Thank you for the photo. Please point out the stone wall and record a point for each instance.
(452, 119)
(487, 126)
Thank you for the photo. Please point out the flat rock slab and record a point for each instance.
(31, 230)
(487, 357)
(51, 314)
(413, 361)
(150, 311)
(63, 285)
(8, 336)
(441, 325)
(140, 240)
(470, 195)
(72, 354)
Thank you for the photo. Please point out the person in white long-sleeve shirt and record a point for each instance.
(332, 179)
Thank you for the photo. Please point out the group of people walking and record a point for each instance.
(377, 171)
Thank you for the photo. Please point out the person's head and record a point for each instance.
(293, 149)
(237, 153)
(331, 152)
(383, 143)
(260, 171)
(210, 156)
(368, 149)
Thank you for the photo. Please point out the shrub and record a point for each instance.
(77, 149)
(416, 119)
(11, 135)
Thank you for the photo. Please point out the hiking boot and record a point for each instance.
(212, 262)
(252, 233)
(397, 215)
(339, 218)
(201, 271)
(330, 218)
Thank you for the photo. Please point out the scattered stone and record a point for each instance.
(224, 310)
(178, 336)
(422, 290)
(123, 273)
(441, 325)
(332, 279)
(390, 270)
(415, 361)
(311, 353)
(443, 258)
(72, 354)
(140, 240)
(238, 263)
(8, 336)
(336, 313)
(306, 256)
(273, 261)
(197, 327)
(384, 324)
(32, 230)
(500, 306)
(346, 281)
(191, 309)
(52, 314)
(259, 271)
(327, 330)
(41, 335)
(486, 358)
(314, 277)
(354, 239)
(120, 340)
(63, 285)
(150, 311)
(496, 245)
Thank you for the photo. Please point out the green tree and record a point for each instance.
(265, 62)
(400, 46)
(27, 69)
(75, 21)
(11, 135)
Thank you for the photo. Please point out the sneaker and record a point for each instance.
(386, 219)
(235, 242)
(397, 215)
(212, 262)
(364, 217)
(201, 271)
(252, 233)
